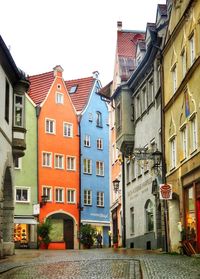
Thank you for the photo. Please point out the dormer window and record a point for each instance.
(73, 89)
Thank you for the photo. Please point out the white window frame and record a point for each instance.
(47, 191)
(61, 197)
(173, 152)
(71, 195)
(59, 98)
(46, 159)
(100, 144)
(184, 141)
(67, 129)
(28, 189)
(87, 140)
(174, 78)
(99, 168)
(194, 137)
(100, 199)
(87, 166)
(87, 197)
(184, 62)
(50, 126)
(19, 108)
(192, 49)
(58, 161)
(71, 163)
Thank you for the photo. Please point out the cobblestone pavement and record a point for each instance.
(97, 264)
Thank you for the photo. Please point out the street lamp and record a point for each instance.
(157, 159)
(116, 185)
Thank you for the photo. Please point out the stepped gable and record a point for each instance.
(39, 86)
(82, 89)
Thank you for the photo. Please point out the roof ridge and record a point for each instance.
(131, 31)
(77, 79)
(41, 74)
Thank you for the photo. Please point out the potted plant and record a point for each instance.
(44, 229)
(87, 235)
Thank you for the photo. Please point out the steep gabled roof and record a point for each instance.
(40, 85)
(83, 89)
(126, 51)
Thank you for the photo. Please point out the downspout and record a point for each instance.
(80, 157)
(123, 201)
(38, 109)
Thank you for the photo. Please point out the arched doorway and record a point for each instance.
(8, 214)
(63, 229)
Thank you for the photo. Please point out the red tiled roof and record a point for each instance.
(39, 86)
(126, 51)
(84, 87)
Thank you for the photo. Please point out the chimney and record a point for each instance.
(58, 71)
(119, 25)
(95, 74)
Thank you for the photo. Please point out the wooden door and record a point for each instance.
(69, 234)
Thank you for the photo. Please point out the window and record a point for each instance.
(59, 161)
(144, 99)
(87, 141)
(87, 166)
(73, 89)
(71, 198)
(128, 172)
(132, 220)
(68, 130)
(173, 153)
(100, 168)
(99, 143)
(87, 197)
(184, 142)
(22, 194)
(138, 106)
(59, 98)
(59, 195)
(17, 163)
(194, 133)
(47, 191)
(183, 60)
(7, 101)
(174, 78)
(50, 126)
(139, 169)
(71, 163)
(192, 49)
(18, 111)
(46, 159)
(118, 115)
(150, 92)
(59, 86)
(100, 199)
(149, 216)
(90, 117)
(133, 168)
(99, 119)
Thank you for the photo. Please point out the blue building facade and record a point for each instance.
(95, 195)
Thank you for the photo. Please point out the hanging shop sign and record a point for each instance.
(165, 191)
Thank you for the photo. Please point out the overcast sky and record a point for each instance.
(79, 35)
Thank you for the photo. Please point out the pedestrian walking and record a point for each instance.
(99, 240)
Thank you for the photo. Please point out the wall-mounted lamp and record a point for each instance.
(116, 185)
(157, 159)
(44, 200)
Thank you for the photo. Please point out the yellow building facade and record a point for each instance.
(181, 122)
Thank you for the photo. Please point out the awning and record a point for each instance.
(28, 221)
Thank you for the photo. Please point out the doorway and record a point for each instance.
(69, 233)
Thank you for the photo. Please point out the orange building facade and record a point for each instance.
(58, 158)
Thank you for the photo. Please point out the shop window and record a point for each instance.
(190, 230)
(149, 216)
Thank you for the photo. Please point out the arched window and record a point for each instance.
(99, 119)
(149, 216)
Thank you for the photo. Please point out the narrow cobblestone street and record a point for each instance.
(98, 263)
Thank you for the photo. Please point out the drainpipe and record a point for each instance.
(123, 202)
(80, 156)
(38, 109)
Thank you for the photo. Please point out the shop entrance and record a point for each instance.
(69, 233)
